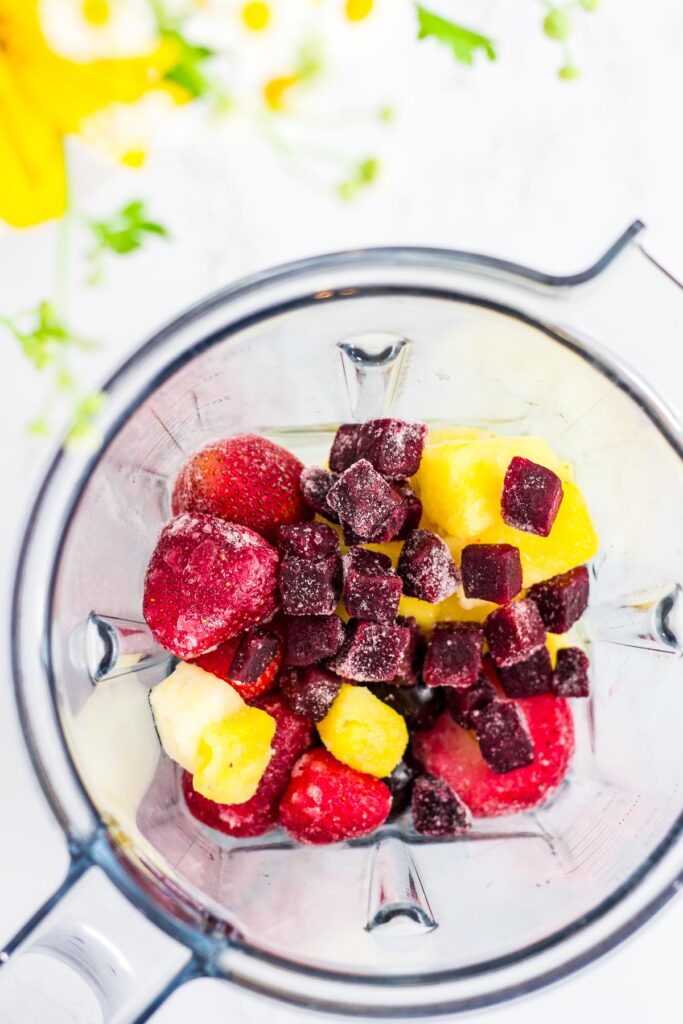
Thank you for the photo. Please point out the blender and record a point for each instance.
(395, 924)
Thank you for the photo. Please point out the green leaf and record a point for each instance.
(125, 231)
(362, 175)
(463, 41)
(187, 71)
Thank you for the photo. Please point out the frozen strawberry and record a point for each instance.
(454, 655)
(453, 754)
(362, 498)
(243, 479)
(326, 801)
(410, 665)
(207, 580)
(531, 496)
(293, 736)
(570, 678)
(504, 738)
(308, 540)
(371, 652)
(465, 704)
(561, 600)
(427, 568)
(310, 691)
(371, 587)
(308, 587)
(393, 447)
(528, 678)
(437, 810)
(344, 451)
(491, 572)
(312, 638)
(400, 784)
(315, 484)
(250, 662)
(419, 705)
(514, 632)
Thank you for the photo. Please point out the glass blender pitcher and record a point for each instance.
(397, 923)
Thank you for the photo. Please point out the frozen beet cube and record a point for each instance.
(401, 522)
(255, 651)
(562, 599)
(420, 705)
(514, 632)
(400, 785)
(362, 498)
(310, 588)
(437, 809)
(531, 496)
(427, 568)
(308, 540)
(504, 737)
(344, 451)
(394, 447)
(371, 587)
(311, 638)
(491, 572)
(465, 704)
(315, 484)
(454, 655)
(570, 678)
(412, 658)
(528, 678)
(371, 652)
(412, 507)
(310, 691)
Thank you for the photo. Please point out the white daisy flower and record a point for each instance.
(86, 30)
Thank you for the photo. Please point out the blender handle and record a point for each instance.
(87, 932)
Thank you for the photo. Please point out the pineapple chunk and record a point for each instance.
(184, 704)
(233, 755)
(460, 482)
(363, 732)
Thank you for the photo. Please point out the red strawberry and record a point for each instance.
(244, 479)
(453, 754)
(293, 735)
(207, 580)
(327, 801)
(249, 662)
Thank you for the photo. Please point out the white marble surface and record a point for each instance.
(502, 158)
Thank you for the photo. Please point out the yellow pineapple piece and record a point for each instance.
(233, 755)
(439, 435)
(363, 732)
(457, 607)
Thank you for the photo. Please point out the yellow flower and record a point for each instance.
(256, 15)
(45, 96)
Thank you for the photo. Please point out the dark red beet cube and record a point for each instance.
(562, 599)
(454, 655)
(392, 446)
(371, 587)
(344, 451)
(465, 704)
(531, 496)
(491, 572)
(570, 678)
(400, 785)
(420, 705)
(412, 506)
(427, 568)
(401, 522)
(309, 691)
(311, 638)
(528, 678)
(255, 650)
(514, 632)
(308, 540)
(504, 737)
(310, 588)
(371, 652)
(363, 499)
(437, 809)
(315, 484)
(412, 658)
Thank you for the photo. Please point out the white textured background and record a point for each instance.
(502, 158)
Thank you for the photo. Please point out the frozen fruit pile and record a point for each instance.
(392, 631)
